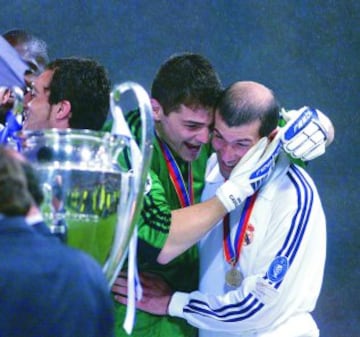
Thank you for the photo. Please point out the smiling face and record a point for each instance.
(184, 130)
(232, 143)
(39, 114)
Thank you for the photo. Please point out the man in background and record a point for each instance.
(70, 93)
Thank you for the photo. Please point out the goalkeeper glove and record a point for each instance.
(305, 133)
(250, 173)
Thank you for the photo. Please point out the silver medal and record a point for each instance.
(233, 277)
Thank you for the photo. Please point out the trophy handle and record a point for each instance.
(131, 199)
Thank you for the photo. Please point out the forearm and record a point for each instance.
(189, 225)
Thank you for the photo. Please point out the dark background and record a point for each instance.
(306, 51)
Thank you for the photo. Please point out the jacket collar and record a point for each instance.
(11, 223)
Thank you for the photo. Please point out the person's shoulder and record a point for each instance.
(302, 177)
(41, 227)
(288, 182)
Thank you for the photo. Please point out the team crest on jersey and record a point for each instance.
(278, 269)
(148, 184)
(249, 234)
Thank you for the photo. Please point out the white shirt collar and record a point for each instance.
(213, 175)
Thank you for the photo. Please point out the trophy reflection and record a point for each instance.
(93, 196)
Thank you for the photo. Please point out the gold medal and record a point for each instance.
(233, 277)
(232, 246)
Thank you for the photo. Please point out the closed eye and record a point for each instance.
(217, 135)
(194, 126)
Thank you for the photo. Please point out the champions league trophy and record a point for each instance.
(94, 182)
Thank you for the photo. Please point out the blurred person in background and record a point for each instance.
(47, 288)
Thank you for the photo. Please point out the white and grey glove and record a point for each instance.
(306, 133)
(249, 173)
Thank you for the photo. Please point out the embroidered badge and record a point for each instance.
(249, 234)
(278, 269)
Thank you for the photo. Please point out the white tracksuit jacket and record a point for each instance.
(282, 261)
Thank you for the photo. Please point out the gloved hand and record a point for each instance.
(250, 173)
(306, 133)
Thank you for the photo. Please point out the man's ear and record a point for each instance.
(64, 110)
(157, 109)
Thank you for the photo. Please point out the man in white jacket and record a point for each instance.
(262, 266)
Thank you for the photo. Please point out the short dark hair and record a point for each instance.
(241, 104)
(187, 79)
(15, 199)
(85, 84)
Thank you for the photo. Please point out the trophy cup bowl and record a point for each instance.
(92, 199)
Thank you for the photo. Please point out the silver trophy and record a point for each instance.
(94, 182)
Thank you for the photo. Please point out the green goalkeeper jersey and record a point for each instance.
(153, 229)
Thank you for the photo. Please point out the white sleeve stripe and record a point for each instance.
(251, 305)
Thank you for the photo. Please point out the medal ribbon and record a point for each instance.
(232, 251)
(185, 198)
